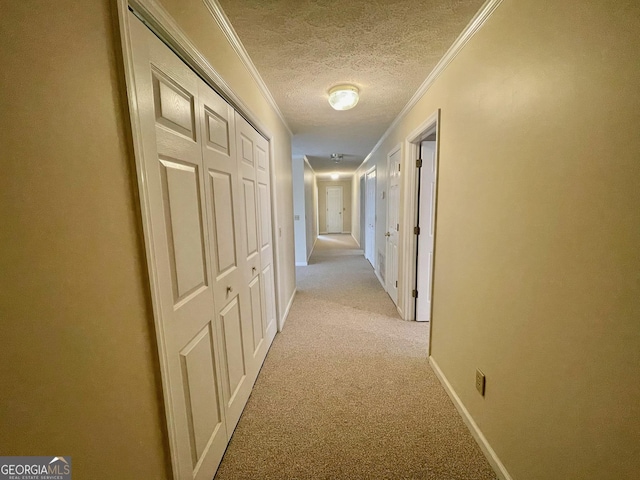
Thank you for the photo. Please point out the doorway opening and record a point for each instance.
(421, 206)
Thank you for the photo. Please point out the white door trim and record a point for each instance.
(409, 241)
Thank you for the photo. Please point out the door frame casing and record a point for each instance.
(410, 241)
(157, 19)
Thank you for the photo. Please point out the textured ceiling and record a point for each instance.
(386, 48)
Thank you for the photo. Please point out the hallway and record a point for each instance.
(346, 391)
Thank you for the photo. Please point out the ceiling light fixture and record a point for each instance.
(335, 176)
(336, 157)
(343, 97)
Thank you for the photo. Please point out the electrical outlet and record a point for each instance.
(481, 382)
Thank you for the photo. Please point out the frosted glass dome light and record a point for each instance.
(343, 97)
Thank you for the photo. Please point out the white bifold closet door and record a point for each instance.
(206, 190)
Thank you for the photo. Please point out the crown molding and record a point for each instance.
(473, 26)
(306, 160)
(225, 25)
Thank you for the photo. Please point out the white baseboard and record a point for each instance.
(287, 310)
(314, 246)
(302, 264)
(355, 240)
(380, 279)
(491, 455)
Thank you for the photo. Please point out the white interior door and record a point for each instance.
(393, 224)
(370, 214)
(189, 338)
(268, 293)
(228, 250)
(254, 171)
(424, 274)
(206, 197)
(334, 209)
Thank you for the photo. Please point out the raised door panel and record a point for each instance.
(246, 149)
(217, 131)
(174, 105)
(255, 294)
(269, 300)
(204, 411)
(238, 379)
(265, 217)
(234, 350)
(181, 198)
(250, 224)
(223, 221)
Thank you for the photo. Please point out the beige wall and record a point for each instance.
(78, 366)
(346, 203)
(77, 363)
(310, 206)
(299, 221)
(536, 267)
(201, 28)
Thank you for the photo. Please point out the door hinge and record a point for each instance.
(419, 163)
(414, 293)
(397, 227)
(398, 167)
(416, 230)
(396, 283)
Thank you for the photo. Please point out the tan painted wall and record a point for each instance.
(201, 28)
(346, 204)
(310, 207)
(77, 362)
(299, 207)
(78, 366)
(538, 234)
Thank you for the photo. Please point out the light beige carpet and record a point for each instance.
(346, 391)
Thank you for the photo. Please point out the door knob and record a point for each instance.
(387, 234)
(229, 290)
(253, 270)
